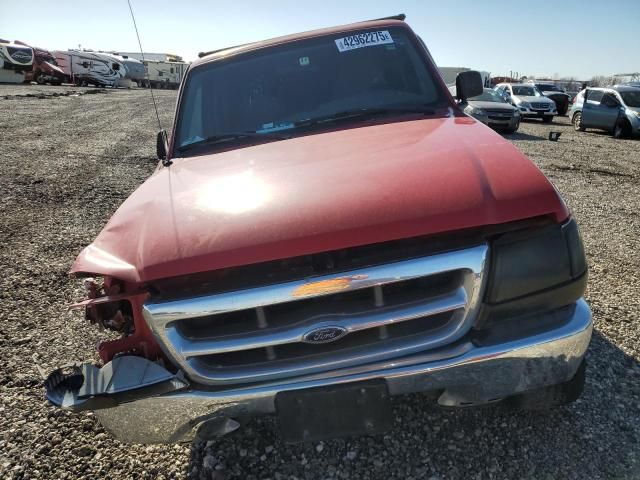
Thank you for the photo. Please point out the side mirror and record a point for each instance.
(162, 145)
(468, 84)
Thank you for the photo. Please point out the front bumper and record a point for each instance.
(529, 112)
(467, 373)
(507, 122)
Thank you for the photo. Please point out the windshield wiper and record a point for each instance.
(230, 136)
(364, 113)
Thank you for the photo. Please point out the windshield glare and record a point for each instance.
(489, 96)
(631, 98)
(526, 91)
(274, 89)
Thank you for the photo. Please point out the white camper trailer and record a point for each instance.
(15, 60)
(91, 68)
(162, 74)
(134, 71)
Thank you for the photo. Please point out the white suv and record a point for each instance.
(529, 100)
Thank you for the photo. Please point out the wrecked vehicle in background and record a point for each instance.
(328, 229)
(45, 68)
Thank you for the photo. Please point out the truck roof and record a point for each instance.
(207, 57)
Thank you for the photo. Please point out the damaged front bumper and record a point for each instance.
(140, 402)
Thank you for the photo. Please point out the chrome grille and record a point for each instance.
(499, 114)
(387, 311)
(540, 106)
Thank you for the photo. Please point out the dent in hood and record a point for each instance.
(318, 193)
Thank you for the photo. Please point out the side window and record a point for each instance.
(160, 73)
(594, 96)
(609, 100)
(171, 70)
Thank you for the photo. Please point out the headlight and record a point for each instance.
(476, 111)
(527, 262)
(524, 104)
(636, 113)
(552, 106)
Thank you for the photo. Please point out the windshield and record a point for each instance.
(631, 98)
(489, 96)
(549, 88)
(526, 91)
(284, 87)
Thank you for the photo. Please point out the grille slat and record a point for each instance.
(387, 311)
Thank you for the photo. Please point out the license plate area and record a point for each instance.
(361, 408)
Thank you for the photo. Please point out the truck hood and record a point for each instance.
(318, 193)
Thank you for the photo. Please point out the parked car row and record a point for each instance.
(614, 109)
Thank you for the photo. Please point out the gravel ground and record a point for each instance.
(68, 161)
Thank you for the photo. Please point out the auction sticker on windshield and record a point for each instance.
(366, 39)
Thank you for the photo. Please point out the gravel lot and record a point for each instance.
(67, 162)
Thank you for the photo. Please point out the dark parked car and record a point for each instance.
(492, 109)
(557, 94)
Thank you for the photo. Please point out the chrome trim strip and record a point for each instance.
(159, 314)
(492, 371)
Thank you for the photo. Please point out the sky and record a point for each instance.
(559, 38)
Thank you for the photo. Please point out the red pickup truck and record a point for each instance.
(327, 229)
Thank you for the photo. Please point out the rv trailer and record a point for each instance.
(15, 60)
(162, 74)
(134, 69)
(91, 68)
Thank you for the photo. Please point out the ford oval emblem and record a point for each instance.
(324, 335)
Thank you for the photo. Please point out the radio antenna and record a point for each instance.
(146, 68)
